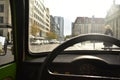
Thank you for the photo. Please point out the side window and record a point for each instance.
(6, 43)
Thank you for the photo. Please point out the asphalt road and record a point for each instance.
(42, 48)
(79, 46)
(9, 57)
(6, 58)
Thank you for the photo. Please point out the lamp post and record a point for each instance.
(93, 31)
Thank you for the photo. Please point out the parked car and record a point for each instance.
(45, 41)
(36, 42)
(54, 41)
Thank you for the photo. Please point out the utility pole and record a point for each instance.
(93, 31)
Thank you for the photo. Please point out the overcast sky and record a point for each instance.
(70, 9)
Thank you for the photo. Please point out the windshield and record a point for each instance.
(52, 22)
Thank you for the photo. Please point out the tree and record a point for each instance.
(34, 30)
(68, 36)
(51, 35)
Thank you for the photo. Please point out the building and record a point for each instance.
(84, 25)
(54, 26)
(39, 16)
(81, 25)
(113, 19)
(5, 19)
(60, 21)
(97, 25)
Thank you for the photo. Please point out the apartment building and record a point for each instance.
(84, 25)
(60, 21)
(39, 16)
(5, 20)
(113, 19)
(5, 16)
(54, 26)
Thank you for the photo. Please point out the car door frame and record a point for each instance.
(19, 22)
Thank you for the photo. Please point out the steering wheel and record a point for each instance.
(45, 72)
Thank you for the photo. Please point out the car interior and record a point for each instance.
(42, 50)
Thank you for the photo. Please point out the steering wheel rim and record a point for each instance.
(101, 37)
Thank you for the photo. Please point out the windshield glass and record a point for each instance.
(52, 22)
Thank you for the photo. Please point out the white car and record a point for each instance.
(36, 42)
(52, 41)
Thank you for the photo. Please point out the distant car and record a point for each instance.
(53, 41)
(36, 42)
(45, 41)
(61, 42)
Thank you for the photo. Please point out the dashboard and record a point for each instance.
(94, 63)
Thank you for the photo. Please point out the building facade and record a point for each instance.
(54, 26)
(60, 21)
(39, 16)
(5, 19)
(97, 25)
(113, 19)
(84, 25)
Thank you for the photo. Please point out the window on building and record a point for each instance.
(1, 19)
(1, 8)
(1, 32)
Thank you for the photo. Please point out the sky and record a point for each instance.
(70, 9)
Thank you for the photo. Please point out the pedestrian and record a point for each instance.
(109, 32)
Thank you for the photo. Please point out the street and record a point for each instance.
(9, 57)
(42, 48)
(79, 46)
